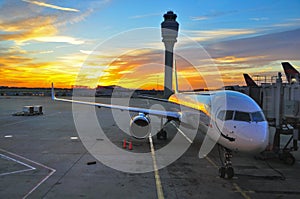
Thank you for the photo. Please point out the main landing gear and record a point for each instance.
(162, 134)
(226, 170)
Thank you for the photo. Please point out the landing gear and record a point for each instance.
(287, 158)
(161, 135)
(226, 170)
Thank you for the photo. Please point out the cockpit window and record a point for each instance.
(257, 116)
(225, 115)
(221, 115)
(229, 115)
(242, 116)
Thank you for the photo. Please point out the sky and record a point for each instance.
(114, 42)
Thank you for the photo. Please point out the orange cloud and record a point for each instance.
(39, 74)
(138, 69)
(40, 28)
(18, 69)
(234, 59)
(43, 4)
(28, 29)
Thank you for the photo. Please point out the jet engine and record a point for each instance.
(140, 126)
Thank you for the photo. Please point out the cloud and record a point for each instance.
(21, 70)
(23, 30)
(256, 55)
(263, 48)
(39, 3)
(259, 19)
(45, 52)
(213, 14)
(60, 39)
(145, 15)
(214, 35)
(237, 60)
(40, 28)
(199, 18)
(27, 24)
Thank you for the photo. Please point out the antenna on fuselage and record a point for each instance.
(176, 79)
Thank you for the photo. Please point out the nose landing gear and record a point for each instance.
(226, 170)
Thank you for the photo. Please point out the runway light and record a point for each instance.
(8, 136)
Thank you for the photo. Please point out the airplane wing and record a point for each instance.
(172, 114)
(153, 98)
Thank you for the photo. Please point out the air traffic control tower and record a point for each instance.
(169, 32)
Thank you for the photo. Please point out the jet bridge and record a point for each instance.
(281, 105)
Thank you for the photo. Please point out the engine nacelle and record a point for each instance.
(140, 126)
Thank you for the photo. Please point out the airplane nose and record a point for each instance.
(255, 137)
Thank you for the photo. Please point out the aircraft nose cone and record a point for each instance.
(255, 137)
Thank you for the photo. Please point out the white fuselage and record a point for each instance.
(232, 119)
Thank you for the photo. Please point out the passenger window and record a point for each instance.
(242, 116)
(257, 116)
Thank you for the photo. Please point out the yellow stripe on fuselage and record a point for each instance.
(190, 101)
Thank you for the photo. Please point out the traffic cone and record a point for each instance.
(124, 143)
(130, 145)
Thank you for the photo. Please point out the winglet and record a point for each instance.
(52, 92)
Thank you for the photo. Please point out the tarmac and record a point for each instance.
(44, 157)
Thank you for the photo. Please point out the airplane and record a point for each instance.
(249, 81)
(232, 119)
(291, 73)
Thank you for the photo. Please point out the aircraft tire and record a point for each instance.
(289, 159)
(161, 135)
(222, 172)
(164, 135)
(230, 172)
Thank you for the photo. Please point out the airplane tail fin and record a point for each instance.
(290, 72)
(52, 92)
(249, 81)
(176, 79)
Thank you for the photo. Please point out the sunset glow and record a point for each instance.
(51, 41)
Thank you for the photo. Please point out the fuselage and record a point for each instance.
(232, 119)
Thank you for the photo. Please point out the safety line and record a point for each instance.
(241, 191)
(211, 161)
(39, 164)
(159, 190)
(236, 186)
(17, 161)
(182, 133)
